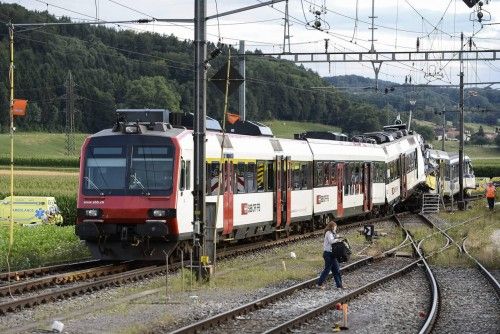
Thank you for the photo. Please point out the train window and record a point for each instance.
(319, 173)
(260, 176)
(296, 176)
(347, 178)
(239, 186)
(357, 178)
(333, 172)
(213, 170)
(105, 170)
(188, 175)
(250, 185)
(326, 173)
(270, 176)
(151, 169)
(182, 179)
(380, 172)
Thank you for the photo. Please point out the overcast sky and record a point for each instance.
(398, 23)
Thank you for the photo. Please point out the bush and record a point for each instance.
(425, 131)
(41, 161)
(67, 205)
(486, 170)
(41, 245)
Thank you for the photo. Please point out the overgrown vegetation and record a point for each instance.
(483, 233)
(40, 245)
(62, 186)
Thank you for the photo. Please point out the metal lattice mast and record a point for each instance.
(70, 115)
(286, 30)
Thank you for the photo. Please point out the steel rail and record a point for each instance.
(289, 325)
(254, 305)
(493, 281)
(148, 271)
(433, 312)
(19, 274)
(79, 289)
(58, 279)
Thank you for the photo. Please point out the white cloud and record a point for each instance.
(450, 17)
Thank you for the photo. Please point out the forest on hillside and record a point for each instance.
(115, 68)
(119, 68)
(482, 105)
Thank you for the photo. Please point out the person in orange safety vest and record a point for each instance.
(490, 195)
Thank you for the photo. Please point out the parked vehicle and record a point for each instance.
(31, 210)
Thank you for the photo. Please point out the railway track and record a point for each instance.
(19, 275)
(470, 296)
(29, 291)
(292, 307)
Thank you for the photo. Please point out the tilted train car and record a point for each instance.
(135, 198)
(447, 174)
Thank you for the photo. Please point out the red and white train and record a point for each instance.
(135, 195)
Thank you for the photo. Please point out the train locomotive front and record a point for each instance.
(127, 196)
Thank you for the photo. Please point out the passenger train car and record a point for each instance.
(445, 166)
(135, 194)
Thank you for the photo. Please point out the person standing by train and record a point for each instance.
(490, 195)
(331, 263)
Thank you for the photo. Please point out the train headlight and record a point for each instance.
(162, 213)
(159, 212)
(94, 213)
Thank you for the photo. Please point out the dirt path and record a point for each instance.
(39, 172)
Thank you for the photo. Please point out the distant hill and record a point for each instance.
(124, 69)
(428, 99)
(114, 68)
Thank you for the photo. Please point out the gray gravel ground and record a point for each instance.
(397, 306)
(468, 302)
(304, 300)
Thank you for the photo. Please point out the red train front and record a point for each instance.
(127, 195)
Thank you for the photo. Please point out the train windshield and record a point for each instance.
(128, 170)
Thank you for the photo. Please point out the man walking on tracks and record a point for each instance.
(490, 195)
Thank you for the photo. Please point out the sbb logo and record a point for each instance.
(322, 198)
(249, 208)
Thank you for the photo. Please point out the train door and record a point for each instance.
(288, 190)
(228, 183)
(402, 175)
(340, 189)
(367, 186)
(283, 192)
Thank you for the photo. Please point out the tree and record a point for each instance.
(425, 131)
(479, 138)
(152, 92)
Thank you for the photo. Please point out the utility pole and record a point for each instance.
(242, 88)
(461, 202)
(372, 27)
(286, 29)
(70, 115)
(444, 128)
(199, 129)
(11, 113)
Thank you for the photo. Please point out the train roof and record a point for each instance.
(345, 150)
(147, 129)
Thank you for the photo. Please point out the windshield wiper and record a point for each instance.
(136, 182)
(93, 185)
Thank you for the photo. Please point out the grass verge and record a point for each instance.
(40, 246)
(483, 234)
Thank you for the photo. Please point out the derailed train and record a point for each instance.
(135, 194)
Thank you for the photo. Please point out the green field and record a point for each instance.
(286, 129)
(40, 245)
(39, 144)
